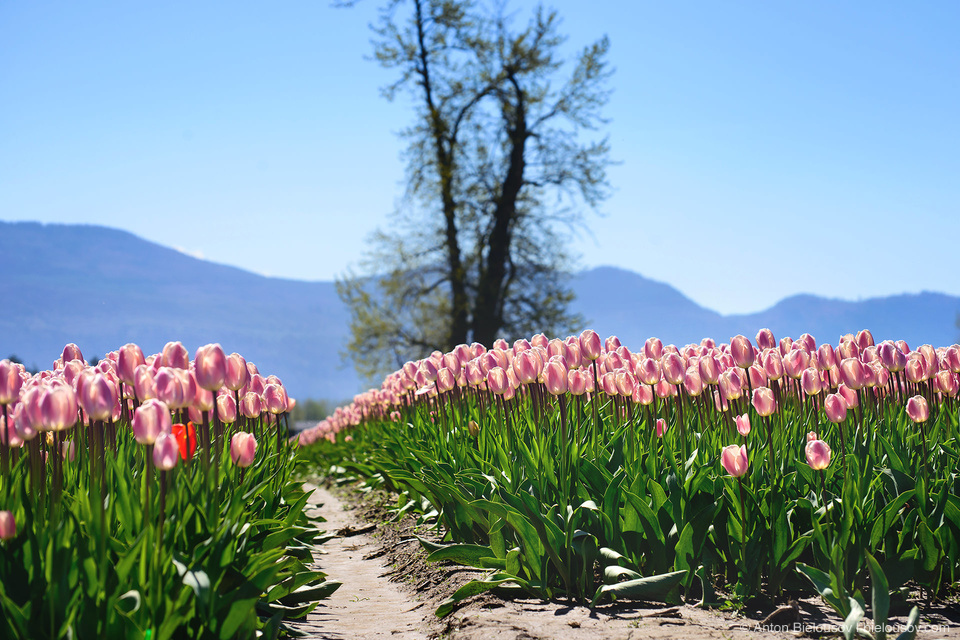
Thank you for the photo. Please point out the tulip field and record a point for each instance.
(150, 498)
(583, 470)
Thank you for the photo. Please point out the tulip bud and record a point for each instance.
(743, 425)
(818, 455)
(661, 427)
(590, 346)
(730, 385)
(497, 380)
(764, 401)
(150, 420)
(243, 449)
(165, 451)
(918, 409)
(527, 367)
(8, 527)
(947, 383)
(835, 407)
(210, 367)
(734, 460)
(473, 429)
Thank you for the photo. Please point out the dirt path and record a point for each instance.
(368, 605)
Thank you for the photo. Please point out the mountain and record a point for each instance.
(102, 288)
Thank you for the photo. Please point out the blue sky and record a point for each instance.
(765, 148)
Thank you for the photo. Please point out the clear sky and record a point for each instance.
(765, 148)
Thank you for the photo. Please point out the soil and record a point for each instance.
(390, 591)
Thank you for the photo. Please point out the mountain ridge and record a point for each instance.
(102, 287)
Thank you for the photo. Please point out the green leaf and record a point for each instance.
(472, 588)
(311, 593)
(466, 554)
(852, 620)
(613, 574)
(880, 594)
(649, 588)
(913, 622)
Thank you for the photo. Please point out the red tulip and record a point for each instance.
(186, 436)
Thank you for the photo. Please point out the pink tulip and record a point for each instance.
(864, 339)
(709, 369)
(643, 395)
(665, 390)
(445, 380)
(555, 378)
(917, 409)
(173, 387)
(772, 364)
(590, 346)
(625, 382)
(8, 526)
(742, 351)
(765, 339)
(891, 357)
(786, 345)
(810, 381)
(243, 449)
(947, 383)
(144, 383)
(210, 367)
(818, 455)
(835, 407)
(251, 405)
(758, 377)
(527, 367)
(166, 452)
(951, 359)
(849, 396)
(175, 355)
(71, 352)
(730, 385)
(608, 383)
(58, 407)
(851, 373)
(848, 349)
(10, 382)
(795, 362)
(129, 357)
(653, 348)
(734, 460)
(150, 420)
(764, 401)
(743, 425)
(661, 427)
(692, 383)
(26, 414)
(826, 356)
(274, 399)
(673, 368)
(236, 374)
(98, 396)
(68, 450)
(648, 371)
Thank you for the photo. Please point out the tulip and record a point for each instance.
(165, 451)
(772, 364)
(71, 352)
(851, 373)
(173, 387)
(947, 383)
(8, 526)
(625, 382)
(527, 367)
(810, 381)
(69, 450)
(98, 396)
(129, 357)
(643, 394)
(734, 460)
(742, 351)
(186, 436)
(709, 369)
(251, 405)
(661, 427)
(826, 356)
(243, 449)
(835, 407)
(58, 407)
(144, 383)
(8, 432)
(608, 382)
(795, 362)
(764, 401)
(175, 355)
(891, 357)
(765, 339)
(150, 420)
(653, 348)
(730, 385)
(673, 368)
(210, 367)
(590, 346)
(10, 382)
(692, 383)
(648, 371)
(274, 399)
(917, 409)
(743, 425)
(818, 455)
(236, 373)
(227, 408)
(555, 378)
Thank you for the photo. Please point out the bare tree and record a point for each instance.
(503, 156)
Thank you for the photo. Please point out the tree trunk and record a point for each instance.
(488, 314)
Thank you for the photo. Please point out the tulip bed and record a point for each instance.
(573, 468)
(150, 498)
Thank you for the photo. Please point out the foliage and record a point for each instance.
(498, 164)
